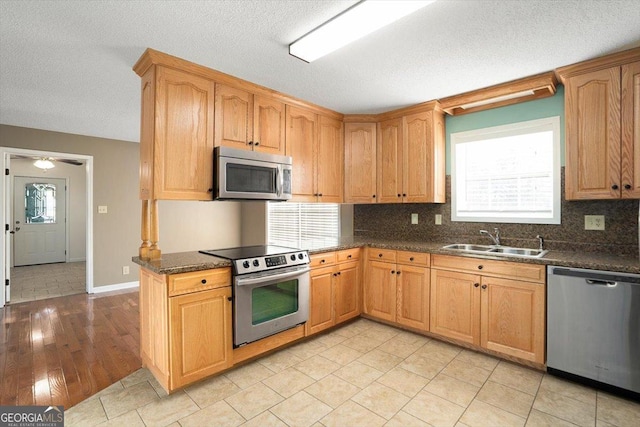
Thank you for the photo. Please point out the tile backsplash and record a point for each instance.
(393, 221)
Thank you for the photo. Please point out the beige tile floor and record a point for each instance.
(363, 374)
(35, 282)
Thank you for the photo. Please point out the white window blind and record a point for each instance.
(303, 225)
(507, 173)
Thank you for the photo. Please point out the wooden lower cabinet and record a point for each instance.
(186, 337)
(334, 290)
(397, 292)
(495, 313)
(201, 335)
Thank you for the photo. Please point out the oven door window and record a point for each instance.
(274, 301)
(250, 179)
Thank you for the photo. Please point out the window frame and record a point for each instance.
(512, 129)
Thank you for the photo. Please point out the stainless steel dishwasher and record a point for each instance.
(593, 327)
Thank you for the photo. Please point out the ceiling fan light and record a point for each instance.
(353, 24)
(44, 164)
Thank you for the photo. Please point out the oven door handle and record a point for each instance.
(242, 281)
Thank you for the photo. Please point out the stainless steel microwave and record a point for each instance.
(251, 175)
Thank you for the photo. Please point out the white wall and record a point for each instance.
(76, 194)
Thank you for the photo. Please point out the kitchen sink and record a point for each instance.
(497, 250)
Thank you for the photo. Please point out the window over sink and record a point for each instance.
(303, 225)
(507, 174)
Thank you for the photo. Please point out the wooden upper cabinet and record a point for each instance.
(360, 162)
(389, 161)
(630, 163)
(301, 137)
(602, 127)
(176, 145)
(234, 117)
(423, 175)
(268, 125)
(329, 160)
(593, 135)
(249, 122)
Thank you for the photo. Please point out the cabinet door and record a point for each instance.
(183, 148)
(512, 318)
(418, 158)
(630, 164)
(380, 291)
(592, 110)
(320, 300)
(154, 345)
(268, 125)
(413, 297)
(347, 303)
(330, 164)
(455, 305)
(360, 162)
(234, 117)
(301, 135)
(389, 162)
(201, 337)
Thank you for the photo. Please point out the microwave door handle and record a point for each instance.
(279, 181)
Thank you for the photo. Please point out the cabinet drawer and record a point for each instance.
(198, 281)
(348, 255)
(386, 255)
(514, 270)
(326, 258)
(413, 258)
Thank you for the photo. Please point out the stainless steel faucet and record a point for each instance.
(541, 241)
(495, 238)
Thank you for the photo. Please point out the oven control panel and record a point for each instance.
(265, 263)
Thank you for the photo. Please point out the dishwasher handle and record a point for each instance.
(606, 283)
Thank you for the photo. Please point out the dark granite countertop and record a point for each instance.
(193, 261)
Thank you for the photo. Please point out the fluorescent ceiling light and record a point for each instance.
(44, 164)
(358, 21)
(498, 99)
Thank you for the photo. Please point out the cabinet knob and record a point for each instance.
(250, 143)
(627, 186)
(379, 255)
(404, 195)
(320, 194)
(229, 298)
(210, 190)
(614, 186)
(335, 274)
(339, 273)
(475, 285)
(480, 267)
(374, 196)
(411, 259)
(393, 272)
(322, 261)
(349, 256)
(398, 195)
(484, 286)
(203, 281)
(256, 143)
(397, 272)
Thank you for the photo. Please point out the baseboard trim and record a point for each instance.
(116, 287)
(77, 259)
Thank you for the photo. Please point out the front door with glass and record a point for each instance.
(39, 220)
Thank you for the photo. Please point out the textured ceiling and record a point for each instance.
(66, 65)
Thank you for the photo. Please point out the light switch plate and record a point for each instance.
(102, 209)
(414, 218)
(438, 219)
(594, 222)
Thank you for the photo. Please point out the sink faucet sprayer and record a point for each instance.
(496, 238)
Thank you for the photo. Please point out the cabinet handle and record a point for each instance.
(349, 256)
(250, 143)
(614, 186)
(627, 186)
(379, 255)
(338, 273)
(480, 267)
(229, 298)
(322, 261)
(411, 259)
(404, 195)
(397, 272)
(335, 274)
(374, 196)
(484, 286)
(210, 190)
(393, 272)
(475, 285)
(204, 281)
(398, 195)
(256, 143)
(320, 194)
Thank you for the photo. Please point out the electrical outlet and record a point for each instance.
(125, 270)
(438, 219)
(414, 218)
(102, 209)
(594, 222)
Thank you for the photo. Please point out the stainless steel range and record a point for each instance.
(270, 290)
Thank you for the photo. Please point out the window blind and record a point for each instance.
(303, 225)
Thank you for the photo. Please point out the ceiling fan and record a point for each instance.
(51, 159)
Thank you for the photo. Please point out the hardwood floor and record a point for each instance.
(60, 351)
